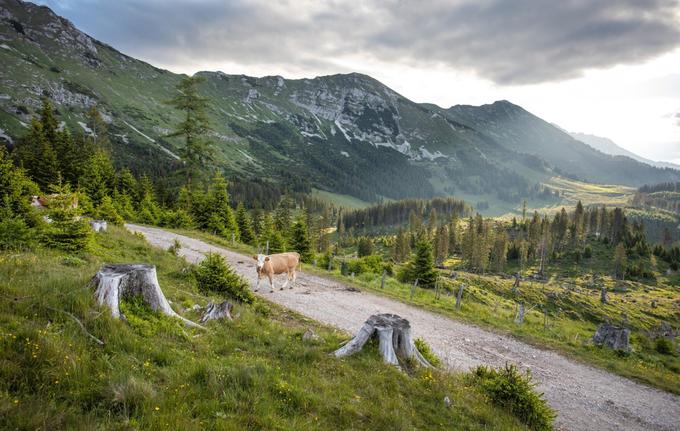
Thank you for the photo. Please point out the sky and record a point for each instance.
(609, 68)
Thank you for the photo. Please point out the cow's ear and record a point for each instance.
(266, 258)
(255, 257)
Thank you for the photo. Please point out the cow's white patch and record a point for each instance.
(260, 261)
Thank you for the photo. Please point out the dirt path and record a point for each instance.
(586, 398)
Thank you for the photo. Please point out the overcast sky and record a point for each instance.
(609, 68)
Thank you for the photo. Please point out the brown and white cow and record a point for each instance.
(274, 264)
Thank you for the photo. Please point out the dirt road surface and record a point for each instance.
(586, 398)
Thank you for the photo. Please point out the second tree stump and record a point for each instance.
(394, 340)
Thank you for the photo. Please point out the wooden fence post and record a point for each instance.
(382, 281)
(459, 297)
(267, 251)
(233, 238)
(520, 315)
(330, 262)
(413, 289)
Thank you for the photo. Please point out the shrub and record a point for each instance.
(427, 352)
(67, 231)
(663, 346)
(107, 211)
(175, 247)
(14, 233)
(508, 388)
(214, 275)
(178, 219)
(369, 264)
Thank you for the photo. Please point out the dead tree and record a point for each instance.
(394, 340)
(459, 297)
(603, 295)
(217, 311)
(117, 282)
(519, 318)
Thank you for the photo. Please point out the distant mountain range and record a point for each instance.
(610, 147)
(346, 134)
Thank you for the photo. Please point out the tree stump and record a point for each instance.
(115, 282)
(614, 337)
(217, 311)
(394, 340)
(98, 225)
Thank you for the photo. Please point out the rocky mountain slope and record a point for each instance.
(343, 133)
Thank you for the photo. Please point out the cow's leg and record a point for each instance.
(291, 277)
(283, 286)
(257, 285)
(271, 283)
(294, 278)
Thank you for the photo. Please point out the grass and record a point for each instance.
(345, 201)
(574, 310)
(255, 372)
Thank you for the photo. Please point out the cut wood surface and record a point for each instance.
(585, 397)
(115, 282)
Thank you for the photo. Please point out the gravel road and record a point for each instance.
(586, 398)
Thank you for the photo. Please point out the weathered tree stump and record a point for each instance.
(603, 295)
(614, 337)
(98, 225)
(394, 340)
(217, 311)
(115, 282)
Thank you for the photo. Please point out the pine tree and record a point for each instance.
(364, 247)
(620, 261)
(98, 130)
(99, 178)
(300, 241)
(282, 217)
(49, 122)
(442, 241)
(196, 152)
(421, 267)
(499, 255)
(453, 235)
(245, 225)
(36, 155)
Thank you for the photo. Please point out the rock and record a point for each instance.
(196, 307)
(447, 402)
(310, 335)
(614, 337)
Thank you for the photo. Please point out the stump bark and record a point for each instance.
(614, 337)
(116, 282)
(394, 340)
(217, 311)
(99, 225)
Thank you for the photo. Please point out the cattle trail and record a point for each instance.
(586, 398)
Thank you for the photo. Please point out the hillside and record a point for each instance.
(346, 134)
(255, 372)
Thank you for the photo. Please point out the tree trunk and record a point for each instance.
(520, 315)
(116, 282)
(217, 311)
(394, 340)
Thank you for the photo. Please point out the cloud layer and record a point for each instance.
(507, 42)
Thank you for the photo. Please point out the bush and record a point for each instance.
(588, 252)
(178, 219)
(14, 234)
(508, 388)
(663, 346)
(214, 275)
(175, 247)
(369, 264)
(107, 211)
(427, 352)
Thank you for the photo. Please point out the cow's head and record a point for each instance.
(261, 259)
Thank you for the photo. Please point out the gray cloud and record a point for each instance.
(508, 42)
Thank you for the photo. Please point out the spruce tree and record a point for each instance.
(421, 267)
(196, 152)
(364, 246)
(300, 241)
(620, 261)
(245, 225)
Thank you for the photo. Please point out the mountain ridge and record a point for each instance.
(344, 133)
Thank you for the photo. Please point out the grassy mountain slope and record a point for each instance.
(346, 134)
(255, 372)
